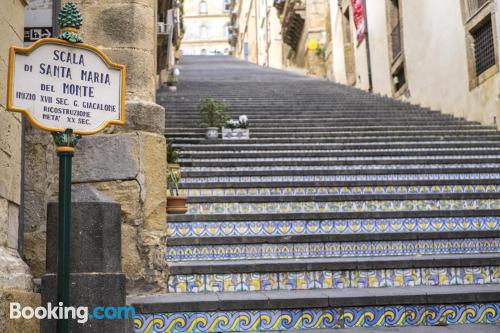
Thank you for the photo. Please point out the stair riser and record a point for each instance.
(333, 249)
(342, 206)
(339, 227)
(235, 146)
(316, 191)
(310, 168)
(308, 280)
(313, 178)
(317, 318)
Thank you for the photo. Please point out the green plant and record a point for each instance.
(172, 80)
(212, 113)
(172, 182)
(172, 152)
(321, 53)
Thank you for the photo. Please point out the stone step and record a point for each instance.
(273, 205)
(211, 182)
(332, 161)
(326, 122)
(336, 173)
(236, 146)
(338, 264)
(462, 328)
(286, 128)
(181, 141)
(330, 134)
(314, 309)
(343, 183)
(426, 153)
(309, 225)
(340, 249)
(270, 170)
(330, 216)
(334, 273)
(327, 198)
(330, 238)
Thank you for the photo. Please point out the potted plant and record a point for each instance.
(172, 83)
(172, 157)
(176, 204)
(236, 129)
(213, 116)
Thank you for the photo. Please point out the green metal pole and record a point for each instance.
(65, 149)
(64, 234)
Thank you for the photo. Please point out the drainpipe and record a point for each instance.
(56, 7)
(368, 56)
(256, 30)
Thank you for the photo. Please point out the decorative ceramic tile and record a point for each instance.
(294, 319)
(269, 228)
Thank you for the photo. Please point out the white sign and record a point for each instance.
(37, 20)
(60, 85)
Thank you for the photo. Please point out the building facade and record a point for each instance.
(206, 25)
(256, 32)
(439, 54)
(292, 35)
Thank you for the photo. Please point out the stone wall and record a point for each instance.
(15, 277)
(128, 163)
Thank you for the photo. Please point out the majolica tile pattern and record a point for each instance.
(340, 207)
(326, 318)
(243, 179)
(341, 158)
(201, 153)
(357, 190)
(332, 249)
(411, 277)
(314, 227)
(346, 167)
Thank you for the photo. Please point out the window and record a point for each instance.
(482, 43)
(396, 47)
(203, 32)
(226, 5)
(349, 56)
(484, 48)
(203, 7)
(226, 30)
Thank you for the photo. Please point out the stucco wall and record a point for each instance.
(435, 51)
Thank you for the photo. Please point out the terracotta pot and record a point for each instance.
(176, 205)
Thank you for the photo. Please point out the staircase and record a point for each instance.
(344, 209)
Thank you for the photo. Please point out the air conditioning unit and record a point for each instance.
(162, 27)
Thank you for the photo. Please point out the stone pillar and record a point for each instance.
(96, 278)
(128, 163)
(15, 277)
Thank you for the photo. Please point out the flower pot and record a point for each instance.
(212, 133)
(176, 168)
(172, 88)
(176, 205)
(235, 134)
